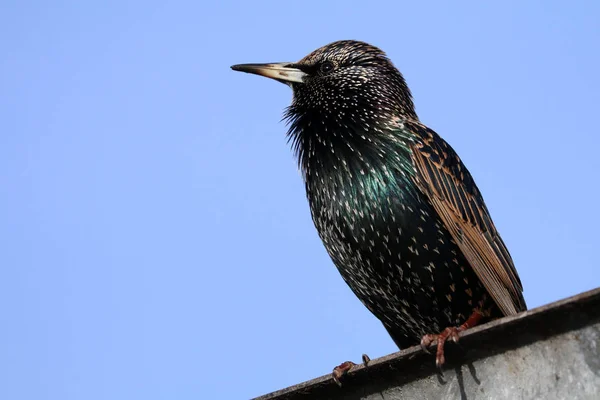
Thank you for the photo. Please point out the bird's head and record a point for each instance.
(340, 79)
(342, 90)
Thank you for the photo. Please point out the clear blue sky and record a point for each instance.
(155, 241)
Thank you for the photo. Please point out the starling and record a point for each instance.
(395, 207)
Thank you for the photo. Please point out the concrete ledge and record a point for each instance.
(551, 352)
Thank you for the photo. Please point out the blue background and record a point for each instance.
(155, 240)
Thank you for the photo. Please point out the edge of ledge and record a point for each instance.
(481, 341)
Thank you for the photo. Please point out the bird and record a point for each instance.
(395, 207)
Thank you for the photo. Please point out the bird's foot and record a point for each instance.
(441, 338)
(342, 370)
(450, 333)
(345, 367)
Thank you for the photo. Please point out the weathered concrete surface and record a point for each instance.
(552, 352)
(562, 367)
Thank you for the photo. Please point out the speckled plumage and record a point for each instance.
(396, 209)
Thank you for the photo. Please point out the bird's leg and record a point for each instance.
(346, 366)
(448, 333)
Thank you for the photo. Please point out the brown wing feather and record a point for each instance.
(442, 176)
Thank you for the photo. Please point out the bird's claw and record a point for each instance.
(426, 341)
(366, 359)
(345, 367)
(342, 370)
(450, 333)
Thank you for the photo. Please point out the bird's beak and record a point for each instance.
(282, 72)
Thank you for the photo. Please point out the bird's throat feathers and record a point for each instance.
(371, 155)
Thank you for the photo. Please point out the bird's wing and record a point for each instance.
(443, 178)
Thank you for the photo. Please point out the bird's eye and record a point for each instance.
(326, 67)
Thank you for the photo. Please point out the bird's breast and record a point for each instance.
(390, 246)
